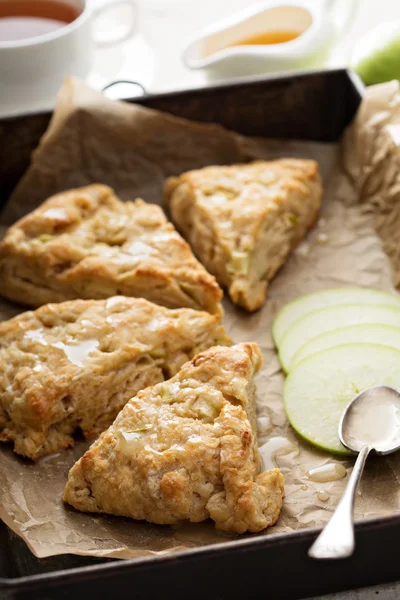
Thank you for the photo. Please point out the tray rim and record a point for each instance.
(117, 565)
(231, 83)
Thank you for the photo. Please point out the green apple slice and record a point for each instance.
(305, 305)
(372, 334)
(329, 319)
(319, 388)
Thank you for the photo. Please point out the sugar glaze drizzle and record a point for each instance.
(275, 446)
(328, 472)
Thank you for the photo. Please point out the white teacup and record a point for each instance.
(34, 68)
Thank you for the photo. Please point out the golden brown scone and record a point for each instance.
(74, 365)
(185, 449)
(243, 221)
(86, 243)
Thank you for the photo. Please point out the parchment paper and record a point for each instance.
(94, 139)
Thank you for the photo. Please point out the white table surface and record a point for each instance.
(153, 55)
(383, 592)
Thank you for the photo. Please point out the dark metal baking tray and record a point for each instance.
(314, 106)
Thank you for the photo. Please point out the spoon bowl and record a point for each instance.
(372, 418)
(370, 422)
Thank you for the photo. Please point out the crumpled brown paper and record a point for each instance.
(372, 160)
(93, 139)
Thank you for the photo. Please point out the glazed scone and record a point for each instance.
(74, 365)
(185, 449)
(86, 243)
(243, 221)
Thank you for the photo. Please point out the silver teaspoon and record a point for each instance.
(371, 421)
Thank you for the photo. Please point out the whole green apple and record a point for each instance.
(376, 57)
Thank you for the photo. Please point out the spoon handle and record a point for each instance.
(337, 538)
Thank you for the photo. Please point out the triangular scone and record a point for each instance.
(185, 449)
(243, 221)
(74, 365)
(86, 243)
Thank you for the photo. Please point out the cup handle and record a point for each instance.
(126, 82)
(127, 29)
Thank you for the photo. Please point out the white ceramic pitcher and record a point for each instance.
(315, 22)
